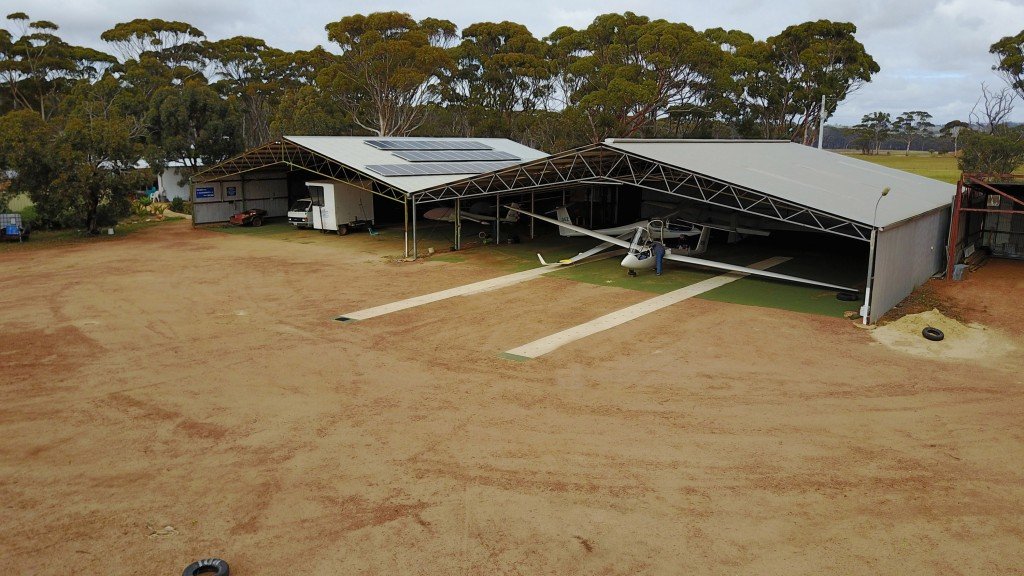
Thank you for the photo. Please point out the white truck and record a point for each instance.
(300, 214)
(339, 207)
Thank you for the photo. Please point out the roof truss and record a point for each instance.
(601, 164)
(287, 153)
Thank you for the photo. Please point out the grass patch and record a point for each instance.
(41, 239)
(942, 168)
(846, 269)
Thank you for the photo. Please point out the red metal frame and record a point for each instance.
(969, 183)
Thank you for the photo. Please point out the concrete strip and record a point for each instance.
(474, 288)
(553, 342)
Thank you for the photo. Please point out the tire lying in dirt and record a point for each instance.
(214, 566)
(847, 296)
(933, 334)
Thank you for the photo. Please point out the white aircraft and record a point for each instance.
(476, 213)
(640, 254)
(656, 225)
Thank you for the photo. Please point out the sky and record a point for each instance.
(933, 54)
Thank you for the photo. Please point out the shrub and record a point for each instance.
(30, 216)
(181, 206)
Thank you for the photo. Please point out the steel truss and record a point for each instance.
(291, 154)
(601, 164)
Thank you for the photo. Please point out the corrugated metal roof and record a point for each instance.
(818, 179)
(355, 153)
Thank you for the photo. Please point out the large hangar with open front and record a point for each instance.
(898, 222)
(890, 226)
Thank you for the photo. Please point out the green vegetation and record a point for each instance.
(76, 122)
(50, 238)
(938, 166)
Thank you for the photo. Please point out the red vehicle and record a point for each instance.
(253, 217)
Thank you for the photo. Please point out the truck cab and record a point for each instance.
(300, 214)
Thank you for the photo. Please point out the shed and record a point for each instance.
(393, 168)
(902, 219)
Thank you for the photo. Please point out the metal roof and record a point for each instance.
(355, 153)
(818, 179)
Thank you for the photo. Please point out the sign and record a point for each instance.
(204, 192)
(231, 191)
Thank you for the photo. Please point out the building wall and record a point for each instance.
(168, 187)
(906, 256)
(217, 201)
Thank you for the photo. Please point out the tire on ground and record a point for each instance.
(213, 566)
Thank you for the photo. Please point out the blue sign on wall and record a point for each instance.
(232, 190)
(204, 192)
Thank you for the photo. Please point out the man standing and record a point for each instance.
(659, 256)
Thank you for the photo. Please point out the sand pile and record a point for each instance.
(962, 341)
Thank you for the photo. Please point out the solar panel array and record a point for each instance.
(454, 155)
(437, 168)
(427, 145)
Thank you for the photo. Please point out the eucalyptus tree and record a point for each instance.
(81, 159)
(872, 131)
(191, 124)
(178, 45)
(787, 75)
(306, 106)
(253, 75)
(500, 72)
(387, 68)
(1010, 53)
(910, 126)
(38, 68)
(624, 70)
(952, 130)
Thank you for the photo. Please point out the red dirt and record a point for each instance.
(193, 379)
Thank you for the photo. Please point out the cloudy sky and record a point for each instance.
(933, 54)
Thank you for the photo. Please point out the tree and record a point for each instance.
(79, 161)
(952, 129)
(625, 70)
(1000, 152)
(191, 124)
(176, 44)
(387, 67)
(873, 129)
(1010, 53)
(787, 75)
(500, 71)
(253, 74)
(992, 108)
(38, 67)
(910, 126)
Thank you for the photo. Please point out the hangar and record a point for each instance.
(901, 220)
(271, 177)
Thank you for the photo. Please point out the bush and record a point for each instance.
(998, 153)
(30, 217)
(107, 215)
(180, 206)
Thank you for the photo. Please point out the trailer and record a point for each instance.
(339, 206)
(12, 229)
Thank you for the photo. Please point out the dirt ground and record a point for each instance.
(179, 394)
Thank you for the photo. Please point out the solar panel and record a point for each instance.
(454, 155)
(427, 145)
(437, 168)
